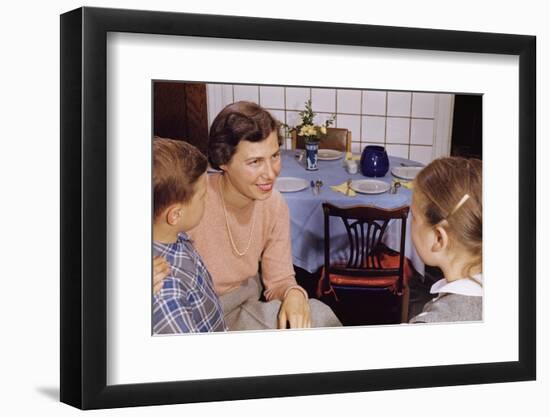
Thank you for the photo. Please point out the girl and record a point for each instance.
(447, 232)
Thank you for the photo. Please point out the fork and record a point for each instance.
(348, 186)
(318, 184)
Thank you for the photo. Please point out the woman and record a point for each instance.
(246, 227)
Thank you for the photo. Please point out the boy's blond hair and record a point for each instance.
(177, 166)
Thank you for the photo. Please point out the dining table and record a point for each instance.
(306, 211)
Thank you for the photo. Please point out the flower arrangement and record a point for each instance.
(307, 128)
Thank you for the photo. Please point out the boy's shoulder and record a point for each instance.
(181, 255)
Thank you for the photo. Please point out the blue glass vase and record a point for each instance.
(374, 161)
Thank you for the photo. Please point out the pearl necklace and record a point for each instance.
(237, 252)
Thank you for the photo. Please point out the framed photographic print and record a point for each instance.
(123, 72)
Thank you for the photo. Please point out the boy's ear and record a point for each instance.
(174, 214)
(441, 239)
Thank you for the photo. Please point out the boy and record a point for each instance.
(187, 302)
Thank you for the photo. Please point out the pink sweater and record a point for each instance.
(270, 243)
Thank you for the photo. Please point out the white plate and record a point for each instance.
(290, 184)
(329, 154)
(370, 186)
(406, 173)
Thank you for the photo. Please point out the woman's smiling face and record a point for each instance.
(254, 167)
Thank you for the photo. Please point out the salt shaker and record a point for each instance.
(351, 166)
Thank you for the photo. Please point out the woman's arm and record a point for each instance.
(278, 272)
(294, 310)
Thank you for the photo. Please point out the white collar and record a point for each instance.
(462, 286)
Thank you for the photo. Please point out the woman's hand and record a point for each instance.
(295, 310)
(161, 268)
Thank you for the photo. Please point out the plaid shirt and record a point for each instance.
(187, 302)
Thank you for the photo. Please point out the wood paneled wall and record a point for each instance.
(180, 112)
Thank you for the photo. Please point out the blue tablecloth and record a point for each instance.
(306, 213)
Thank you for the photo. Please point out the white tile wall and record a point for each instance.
(423, 105)
(422, 131)
(272, 97)
(357, 147)
(292, 118)
(399, 104)
(374, 102)
(227, 94)
(323, 100)
(398, 150)
(246, 92)
(320, 118)
(349, 101)
(278, 114)
(350, 122)
(403, 122)
(397, 129)
(296, 97)
(374, 129)
(421, 154)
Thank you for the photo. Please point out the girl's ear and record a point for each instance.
(441, 239)
(174, 214)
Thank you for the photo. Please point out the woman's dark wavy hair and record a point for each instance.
(242, 120)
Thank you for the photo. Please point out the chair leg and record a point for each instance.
(405, 304)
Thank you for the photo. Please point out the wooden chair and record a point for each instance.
(370, 265)
(336, 138)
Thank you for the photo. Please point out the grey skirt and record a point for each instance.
(243, 309)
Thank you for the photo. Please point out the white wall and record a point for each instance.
(404, 122)
(29, 172)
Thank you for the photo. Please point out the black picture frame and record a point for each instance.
(84, 207)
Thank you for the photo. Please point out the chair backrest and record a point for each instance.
(336, 138)
(365, 227)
